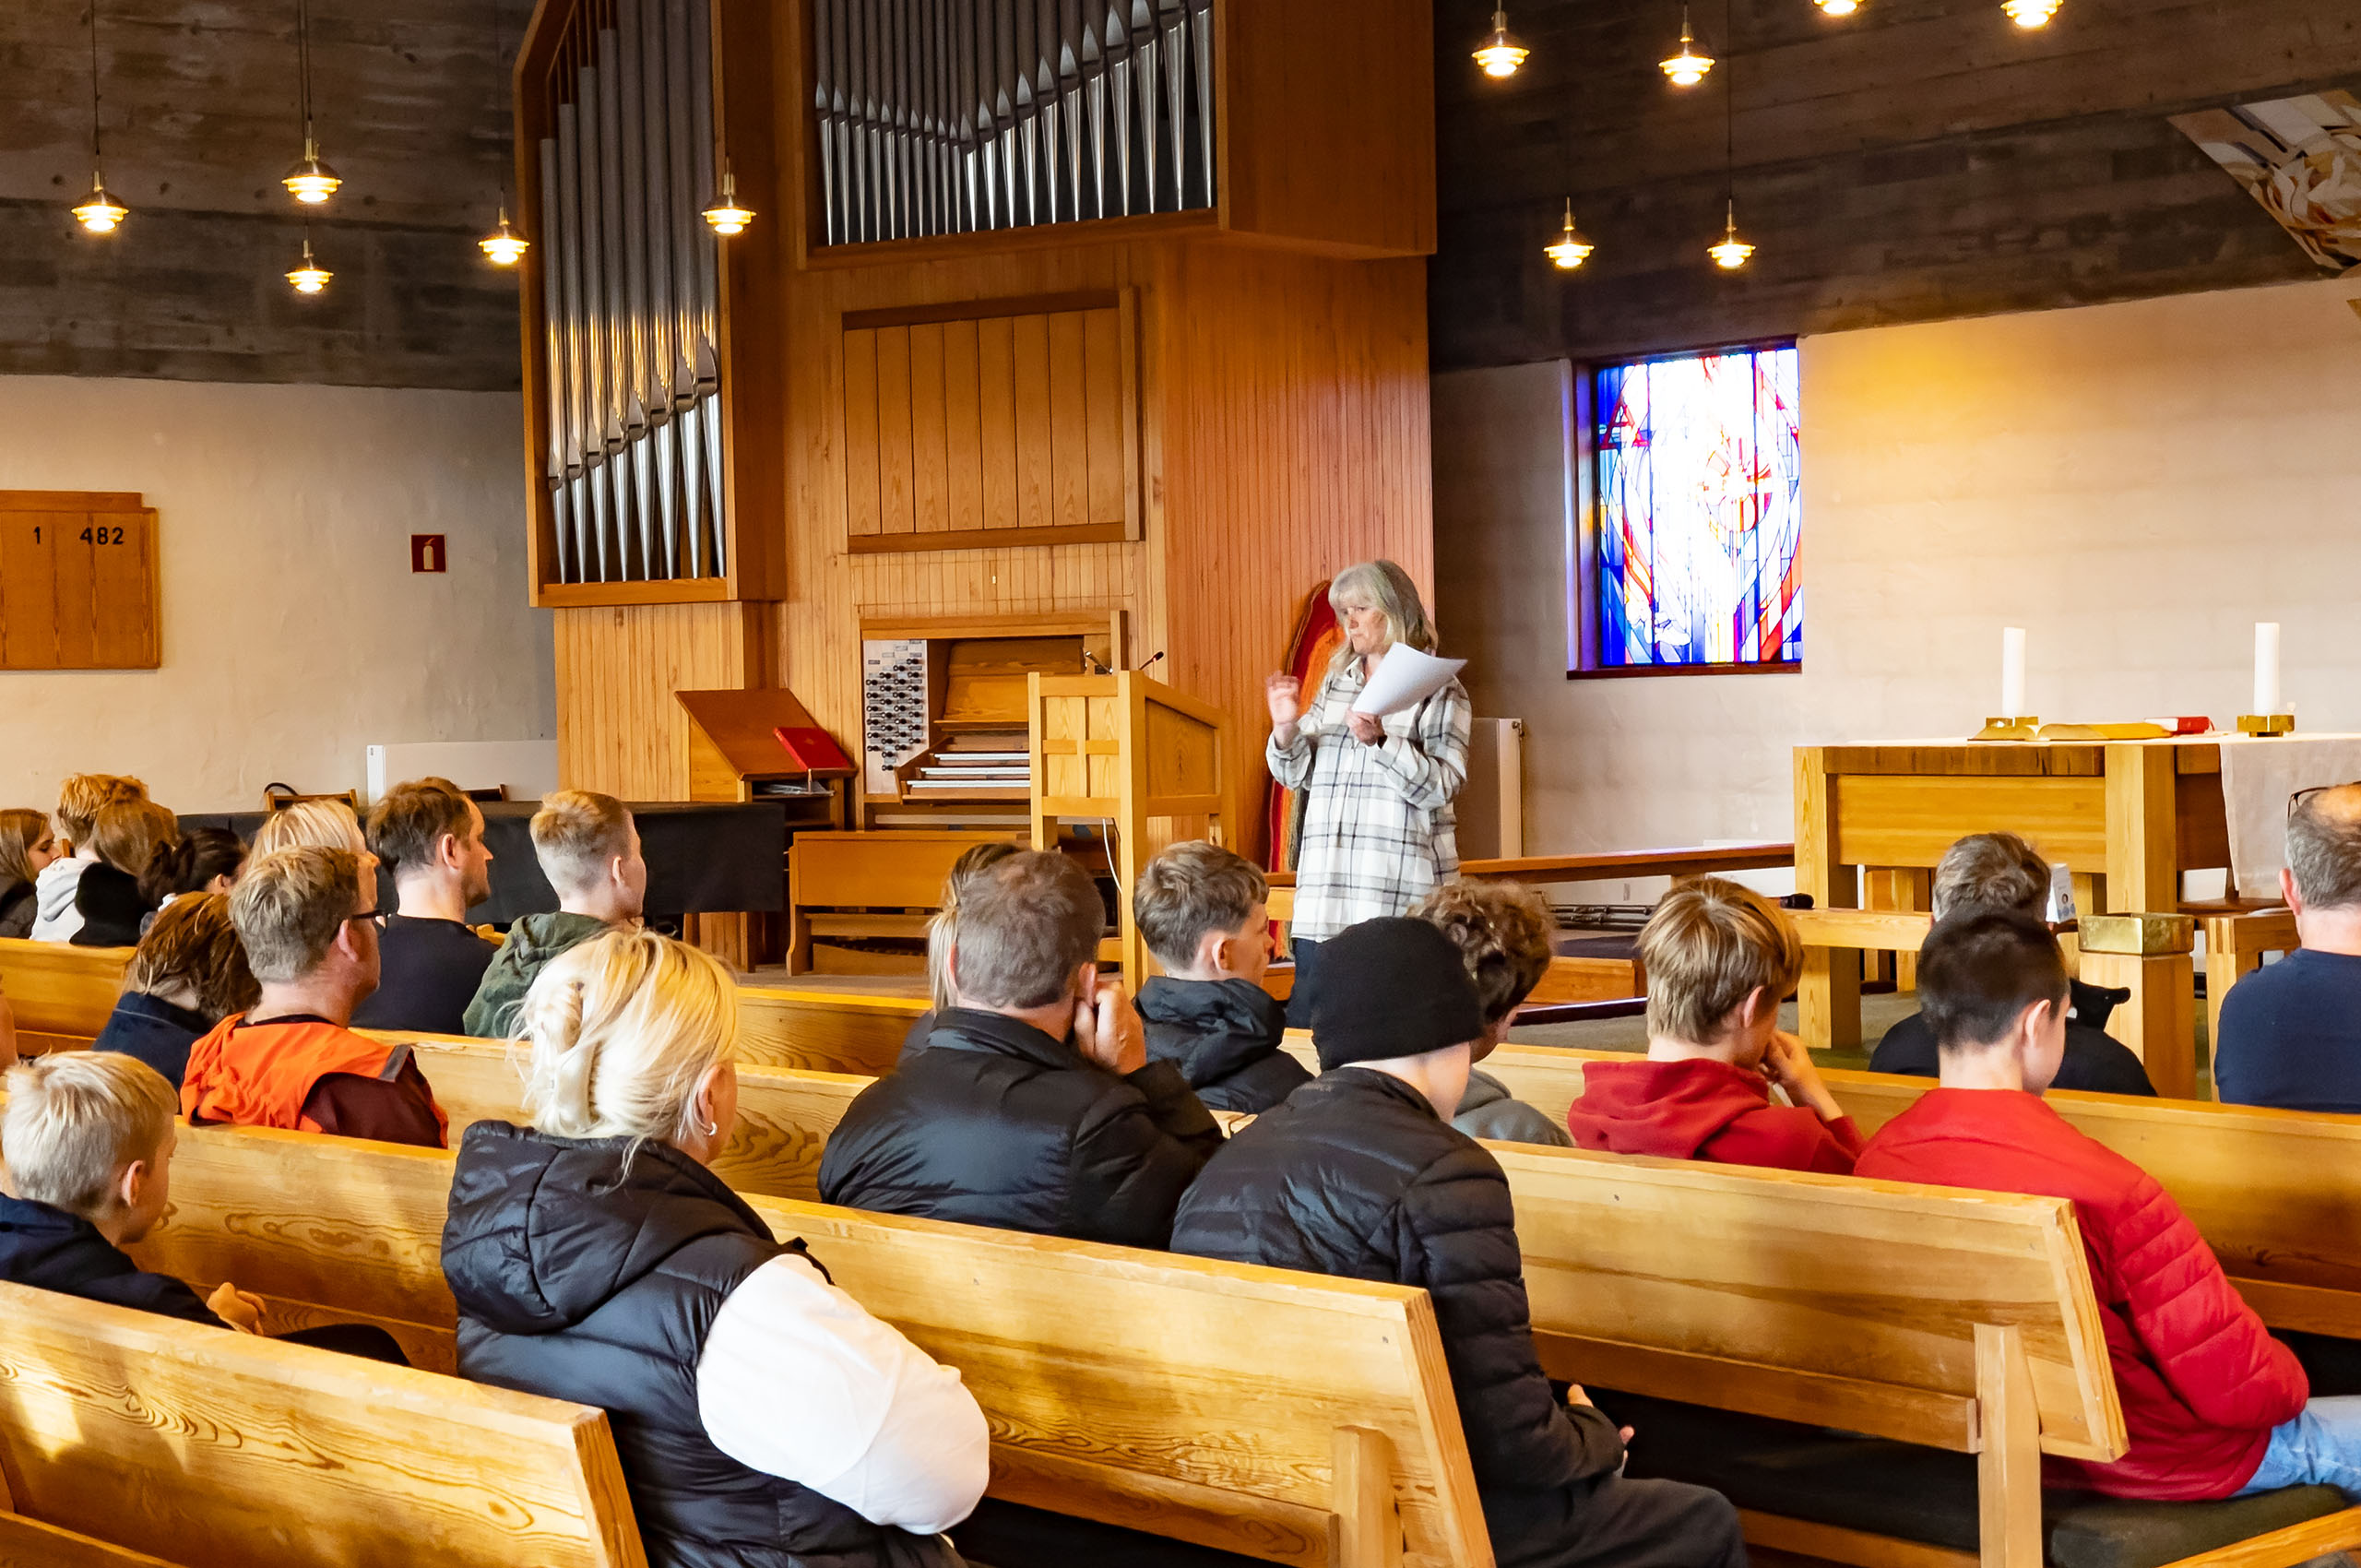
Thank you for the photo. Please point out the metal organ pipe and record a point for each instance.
(630, 289)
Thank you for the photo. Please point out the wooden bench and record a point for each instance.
(1288, 1416)
(223, 1449)
(2134, 953)
(29, 1543)
(2273, 1192)
(1952, 1321)
(61, 994)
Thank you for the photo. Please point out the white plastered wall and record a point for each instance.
(295, 633)
(2135, 484)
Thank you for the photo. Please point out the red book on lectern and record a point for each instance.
(813, 750)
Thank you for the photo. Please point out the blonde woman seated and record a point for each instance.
(762, 1415)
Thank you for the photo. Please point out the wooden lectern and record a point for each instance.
(1123, 751)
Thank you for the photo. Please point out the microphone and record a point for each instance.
(1148, 660)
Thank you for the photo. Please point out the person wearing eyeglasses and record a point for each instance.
(2291, 1031)
(309, 920)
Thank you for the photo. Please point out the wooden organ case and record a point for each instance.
(1061, 338)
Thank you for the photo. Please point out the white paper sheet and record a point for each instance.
(1405, 678)
(2257, 778)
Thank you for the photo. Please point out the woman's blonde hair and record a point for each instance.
(22, 832)
(942, 926)
(1386, 588)
(620, 1031)
(310, 825)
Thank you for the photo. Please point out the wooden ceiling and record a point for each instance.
(1917, 159)
(198, 107)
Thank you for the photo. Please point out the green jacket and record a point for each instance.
(532, 942)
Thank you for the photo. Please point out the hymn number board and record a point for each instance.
(77, 581)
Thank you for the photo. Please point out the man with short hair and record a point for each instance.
(2291, 1031)
(1205, 913)
(1034, 1106)
(309, 932)
(588, 847)
(2213, 1405)
(431, 836)
(2000, 871)
(1360, 1175)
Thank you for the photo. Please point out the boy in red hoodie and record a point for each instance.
(2213, 1406)
(1718, 956)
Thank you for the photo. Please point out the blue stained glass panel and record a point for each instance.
(1700, 504)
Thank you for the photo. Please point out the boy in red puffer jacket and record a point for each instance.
(2215, 1407)
(1718, 958)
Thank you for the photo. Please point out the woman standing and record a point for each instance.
(1377, 828)
(763, 1418)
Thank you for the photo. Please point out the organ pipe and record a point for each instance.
(630, 296)
(951, 116)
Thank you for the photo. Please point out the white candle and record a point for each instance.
(2013, 673)
(2266, 667)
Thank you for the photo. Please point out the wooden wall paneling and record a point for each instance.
(1034, 460)
(1104, 400)
(1313, 87)
(996, 402)
(1069, 427)
(896, 501)
(930, 451)
(863, 513)
(963, 426)
(751, 328)
(619, 729)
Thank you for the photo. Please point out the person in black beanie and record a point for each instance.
(1360, 1174)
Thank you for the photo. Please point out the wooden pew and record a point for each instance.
(225, 1450)
(29, 1543)
(61, 994)
(1951, 1319)
(1250, 1409)
(2273, 1192)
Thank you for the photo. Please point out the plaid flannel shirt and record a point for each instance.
(1378, 828)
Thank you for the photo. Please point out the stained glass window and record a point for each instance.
(1699, 511)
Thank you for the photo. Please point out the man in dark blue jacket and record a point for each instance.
(2291, 1031)
(1361, 1174)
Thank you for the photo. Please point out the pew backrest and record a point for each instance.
(60, 993)
(1830, 1299)
(222, 1449)
(822, 1030)
(1196, 1398)
(29, 1543)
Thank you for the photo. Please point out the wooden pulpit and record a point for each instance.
(745, 743)
(1123, 751)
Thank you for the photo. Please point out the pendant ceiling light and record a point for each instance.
(1688, 67)
(2030, 13)
(310, 277)
(1502, 54)
(1571, 249)
(504, 246)
(1838, 7)
(726, 216)
(1733, 252)
(310, 180)
(99, 213)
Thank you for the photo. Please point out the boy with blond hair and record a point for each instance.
(1205, 913)
(80, 801)
(588, 847)
(1718, 958)
(89, 1137)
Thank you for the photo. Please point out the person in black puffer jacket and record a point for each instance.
(1206, 915)
(1033, 1106)
(1360, 1175)
(762, 1419)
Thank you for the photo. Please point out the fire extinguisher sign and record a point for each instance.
(426, 553)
